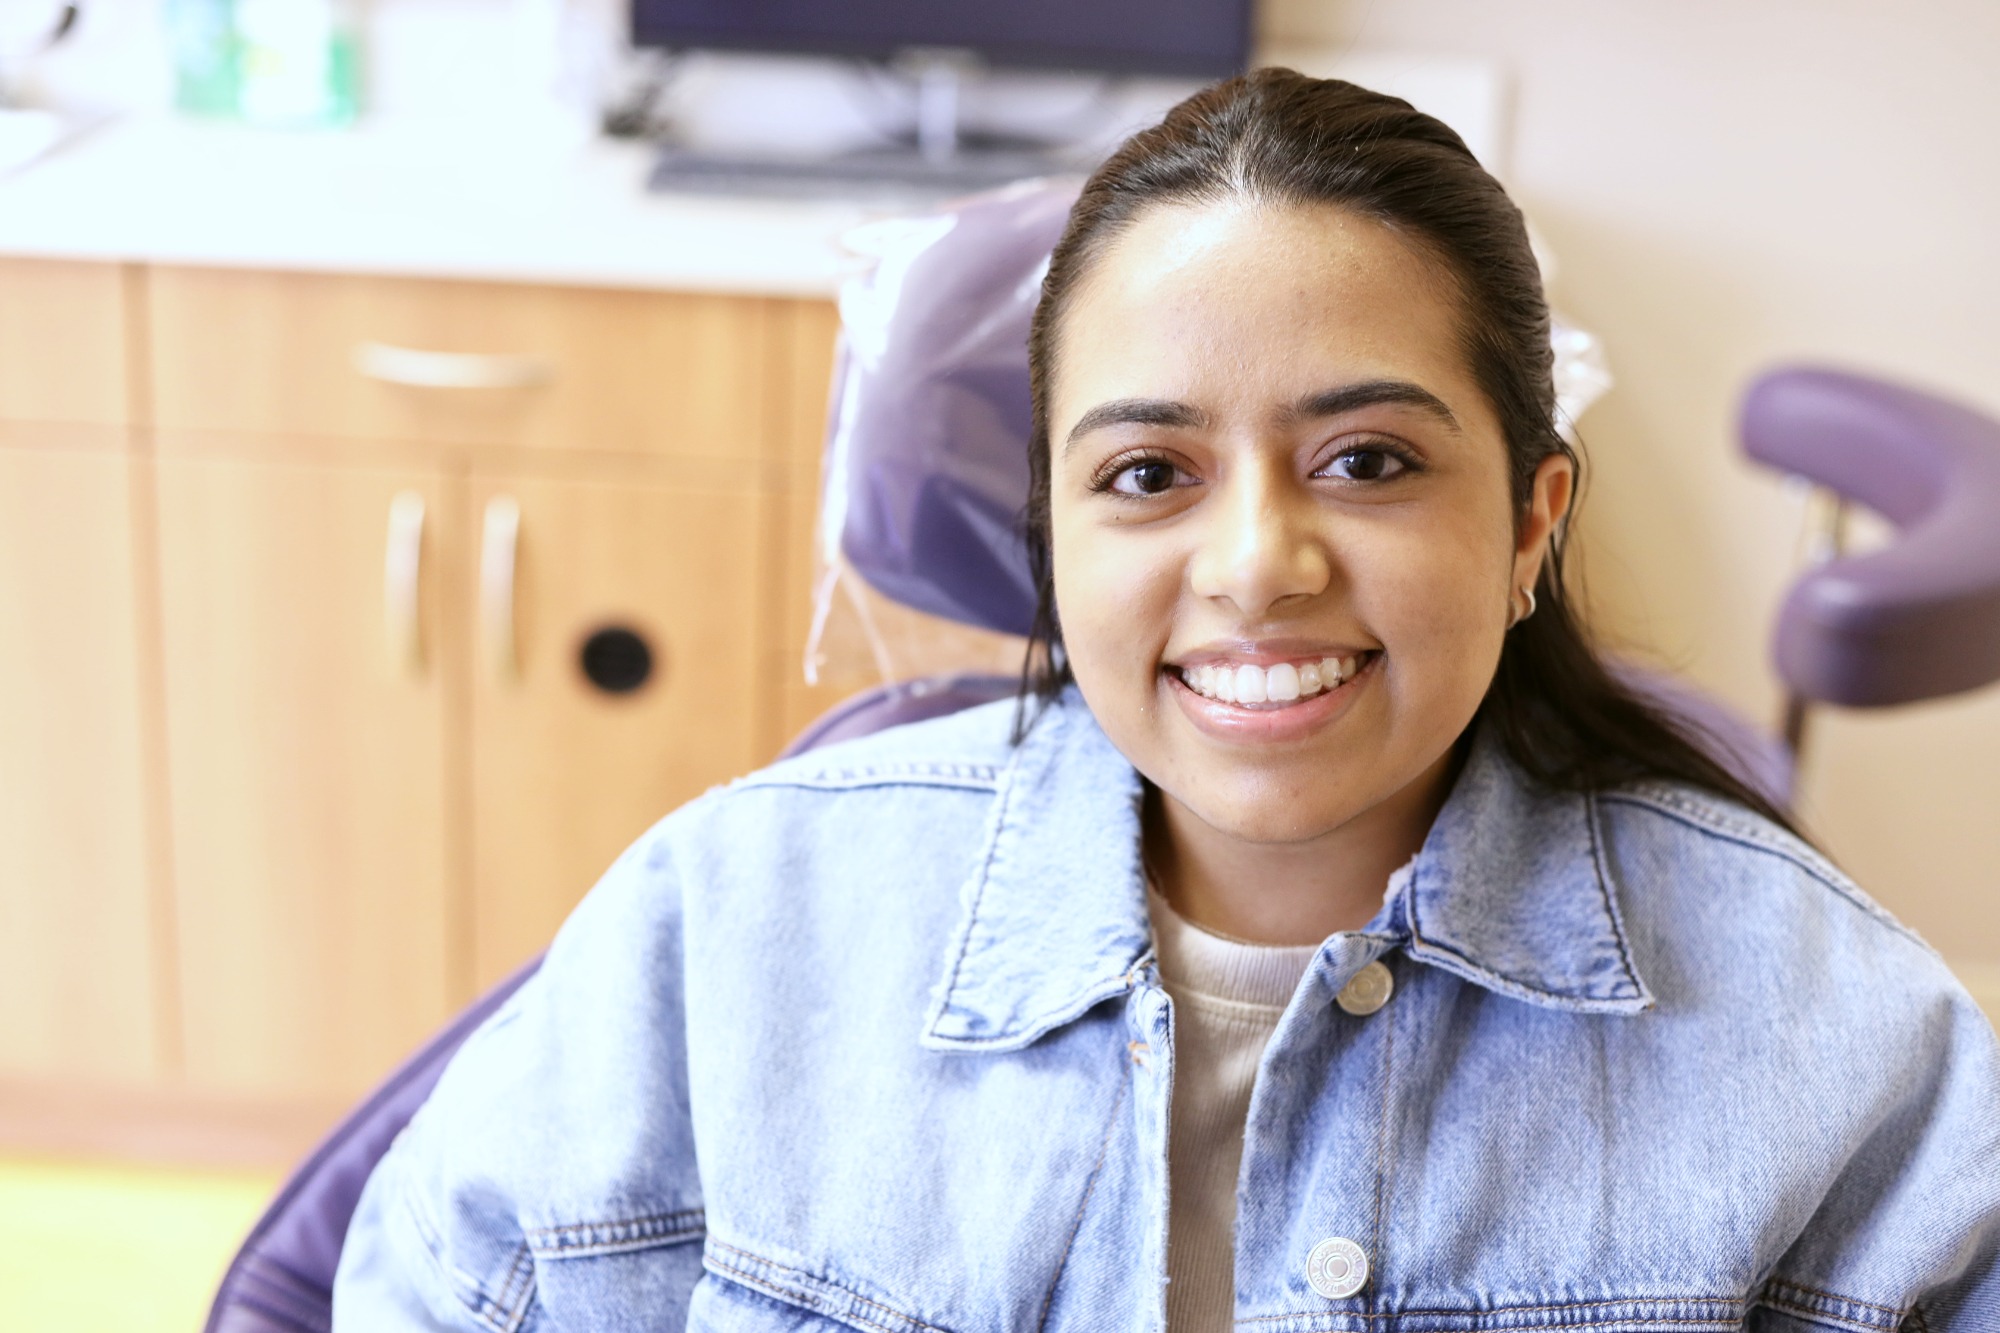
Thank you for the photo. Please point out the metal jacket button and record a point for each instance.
(1336, 1267)
(1367, 991)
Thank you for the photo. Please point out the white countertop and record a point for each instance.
(429, 198)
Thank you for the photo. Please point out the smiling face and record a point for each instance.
(1283, 540)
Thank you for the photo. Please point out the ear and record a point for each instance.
(1549, 498)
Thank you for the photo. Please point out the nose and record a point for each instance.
(1259, 542)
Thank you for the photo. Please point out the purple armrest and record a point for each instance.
(894, 705)
(282, 1278)
(1921, 617)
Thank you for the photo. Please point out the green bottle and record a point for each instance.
(202, 37)
(289, 64)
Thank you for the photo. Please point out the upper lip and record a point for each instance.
(1265, 652)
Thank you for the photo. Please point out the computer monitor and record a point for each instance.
(1195, 38)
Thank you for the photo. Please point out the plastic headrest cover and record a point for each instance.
(927, 467)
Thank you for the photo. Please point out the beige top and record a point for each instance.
(1228, 996)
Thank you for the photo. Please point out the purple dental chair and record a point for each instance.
(927, 472)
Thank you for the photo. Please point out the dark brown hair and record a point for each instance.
(1277, 135)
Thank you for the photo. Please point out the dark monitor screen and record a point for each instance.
(1207, 38)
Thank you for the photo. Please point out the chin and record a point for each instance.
(1260, 819)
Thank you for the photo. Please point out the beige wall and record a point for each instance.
(1730, 184)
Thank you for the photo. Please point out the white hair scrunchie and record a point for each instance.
(1582, 372)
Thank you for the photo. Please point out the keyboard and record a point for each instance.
(896, 173)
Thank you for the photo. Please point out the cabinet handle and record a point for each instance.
(401, 576)
(417, 368)
(496, 582)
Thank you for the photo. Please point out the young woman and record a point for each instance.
(1328, 944)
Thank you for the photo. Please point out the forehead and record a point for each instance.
(1247, 298)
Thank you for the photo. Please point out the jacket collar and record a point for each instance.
(1510, 892)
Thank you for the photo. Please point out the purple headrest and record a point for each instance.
(1920, 618)
(927, 465)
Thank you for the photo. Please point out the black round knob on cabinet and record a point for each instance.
(616, 660)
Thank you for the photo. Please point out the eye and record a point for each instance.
(1146, 476)
(1367, 463)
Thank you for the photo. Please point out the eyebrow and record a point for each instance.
(1326, 403)
(1137, 412)
(1368, 393)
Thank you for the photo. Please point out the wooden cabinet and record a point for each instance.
(349, 629)
(320, 604)
(415, 537)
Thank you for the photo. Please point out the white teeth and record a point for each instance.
(1282, 682)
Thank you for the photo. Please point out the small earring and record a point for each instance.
(1519, 616)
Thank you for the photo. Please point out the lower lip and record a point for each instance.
(1230, 722)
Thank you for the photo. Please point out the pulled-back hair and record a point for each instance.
(1281, 137)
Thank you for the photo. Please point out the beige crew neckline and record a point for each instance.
(1214, 966)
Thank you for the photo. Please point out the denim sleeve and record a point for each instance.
(1908, 1237)
(556, 1148)
(1954, 1181)
(1970, 1305)
(1967, 1299)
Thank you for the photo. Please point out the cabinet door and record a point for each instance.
(567, 771)
(306, 737)
(78, 985)
(62, 342)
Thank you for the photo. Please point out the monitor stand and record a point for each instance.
(938, 161)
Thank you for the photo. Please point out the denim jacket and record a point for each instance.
(874, 1040)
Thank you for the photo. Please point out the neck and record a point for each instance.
(1296, 892)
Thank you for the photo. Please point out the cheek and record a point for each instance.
(1115, 594)
(1435, 594)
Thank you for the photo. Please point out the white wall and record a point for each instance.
(1730, 184)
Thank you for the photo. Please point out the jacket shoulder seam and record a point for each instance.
(1703, 818)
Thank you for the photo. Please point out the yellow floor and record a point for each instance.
(88, 1248)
